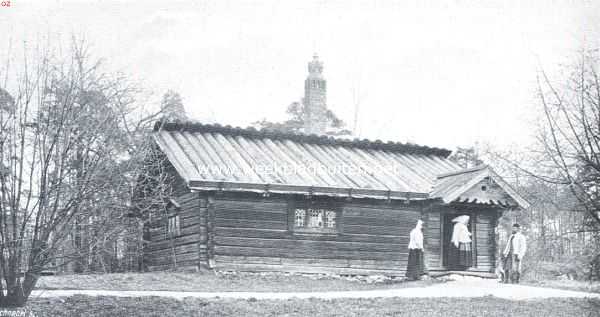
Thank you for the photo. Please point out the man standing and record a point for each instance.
(513, 254)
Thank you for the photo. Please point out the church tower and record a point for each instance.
(315, 98)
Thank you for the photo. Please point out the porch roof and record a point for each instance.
(458, 187)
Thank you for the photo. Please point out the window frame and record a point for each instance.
(176, 226)
(309, 206)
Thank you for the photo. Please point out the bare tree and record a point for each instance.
(466, 157)
(561, 173)
(570, 133)
(71, 146)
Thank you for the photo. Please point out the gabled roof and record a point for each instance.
(459, 185)
(210, 157)
(214, 157)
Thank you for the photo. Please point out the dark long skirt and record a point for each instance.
(461, 257)
(416, 264)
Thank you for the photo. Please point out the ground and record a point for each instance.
(447, 307)
(583, 286)
(221, 282)
(206, 294)
(454, 286)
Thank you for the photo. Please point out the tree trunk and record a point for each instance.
(543, 232)
(18, 293)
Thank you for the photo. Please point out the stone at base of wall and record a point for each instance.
(185, 269)
(464, 273)
(369, 279)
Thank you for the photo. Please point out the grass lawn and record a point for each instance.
(80, 305)
(211, 282)
(157, 306)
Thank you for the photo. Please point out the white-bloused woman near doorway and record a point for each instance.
(416, 264)
(460, 248)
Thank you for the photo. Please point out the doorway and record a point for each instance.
(449, 261)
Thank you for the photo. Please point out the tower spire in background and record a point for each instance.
(315, 98)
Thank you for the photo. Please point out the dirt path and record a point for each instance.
(459, 287)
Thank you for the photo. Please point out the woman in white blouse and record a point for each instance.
(460, 247)
(416, 265)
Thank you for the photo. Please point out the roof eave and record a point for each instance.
(523, 203)
(216, 185)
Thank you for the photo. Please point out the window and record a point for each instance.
(173, 226)
(300, 215)
(315, 220)
(330, 219)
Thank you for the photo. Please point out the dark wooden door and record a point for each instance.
(447, 228)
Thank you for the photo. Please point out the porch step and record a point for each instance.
(464, 273)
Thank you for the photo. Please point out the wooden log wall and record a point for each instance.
(432, 235)
(189, 248)
(247, 232)
(253, 233)
(486, 242)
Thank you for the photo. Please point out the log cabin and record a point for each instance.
(250, 200)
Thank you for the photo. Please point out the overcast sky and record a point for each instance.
(446, 73)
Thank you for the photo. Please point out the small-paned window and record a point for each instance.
(299, 216)
(330, 219)
(315, 220)
(173, 226)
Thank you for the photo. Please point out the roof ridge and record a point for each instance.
(464, 171)
(304, 138)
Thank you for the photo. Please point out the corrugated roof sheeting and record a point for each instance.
(453, 184)
(209, 156)
(212, 157)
